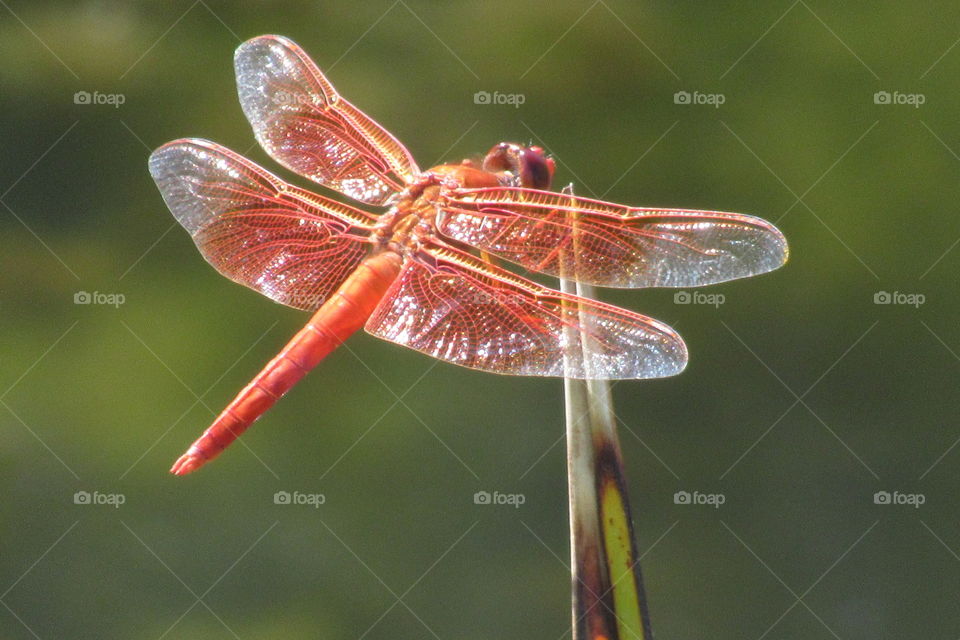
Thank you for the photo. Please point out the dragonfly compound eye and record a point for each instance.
(529, 166)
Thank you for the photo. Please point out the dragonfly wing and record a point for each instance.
(608, 244)
(304, 124)
(292, 246)
(456, 308)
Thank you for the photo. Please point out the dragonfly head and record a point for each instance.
(524, 166)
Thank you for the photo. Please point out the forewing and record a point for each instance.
(454, 307)
(608, 244)
(292, 246)
(301, 121)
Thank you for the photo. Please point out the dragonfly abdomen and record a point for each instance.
(343, 314)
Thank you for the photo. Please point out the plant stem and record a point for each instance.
(608, 600)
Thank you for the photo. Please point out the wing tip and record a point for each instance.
(777, 249)
(676, 363)
(256, 62)
(268, 40)
(158, 160)
(183, 168)
(784, 248)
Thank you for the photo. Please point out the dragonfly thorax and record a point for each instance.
(412, 218)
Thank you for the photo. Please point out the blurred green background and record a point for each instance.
(802, 400)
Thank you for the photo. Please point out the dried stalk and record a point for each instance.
(608, 601)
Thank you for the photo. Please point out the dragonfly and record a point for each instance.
(424, 270)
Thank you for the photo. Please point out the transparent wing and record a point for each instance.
(290, 245)
(608, 244)
(449, 305)
(301, 121)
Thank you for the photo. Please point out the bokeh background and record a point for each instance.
(803, 399)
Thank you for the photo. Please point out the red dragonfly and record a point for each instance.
(420, 273)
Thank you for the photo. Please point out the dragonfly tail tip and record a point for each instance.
(186, 464)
